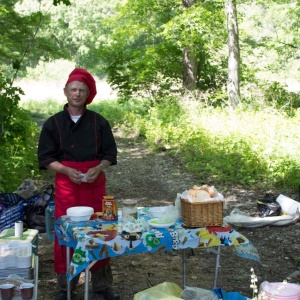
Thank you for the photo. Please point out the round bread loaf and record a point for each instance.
(198, 194)
(201, 195)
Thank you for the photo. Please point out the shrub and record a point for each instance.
(17, 139)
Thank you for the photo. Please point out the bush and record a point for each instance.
(248, 148)
(17, 140)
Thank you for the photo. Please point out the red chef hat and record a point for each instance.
(84, 76)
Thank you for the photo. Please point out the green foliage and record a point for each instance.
(81, 32)
(17, 139)
(247, 148)
(224, 160)
(25, 36)
(57, 2)
(139, 44)
(144, 44)
(276, 95)
(268, 95)
(162, 122)
(111, 110)
(46, 110)
(269, 38)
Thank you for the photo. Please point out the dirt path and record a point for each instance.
(155, 179)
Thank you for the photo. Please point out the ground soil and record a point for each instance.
(155, 179)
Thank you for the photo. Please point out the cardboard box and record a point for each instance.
(109, 208)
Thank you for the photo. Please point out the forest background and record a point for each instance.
(214, 83)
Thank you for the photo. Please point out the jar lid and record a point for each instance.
(129, 202)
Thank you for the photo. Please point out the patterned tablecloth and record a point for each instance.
(97, 239)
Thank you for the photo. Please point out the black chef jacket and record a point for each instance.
(90, 138)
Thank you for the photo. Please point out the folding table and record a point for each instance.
(97, 239)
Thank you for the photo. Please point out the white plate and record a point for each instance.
(153, 223)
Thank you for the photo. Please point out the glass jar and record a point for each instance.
(129, 209)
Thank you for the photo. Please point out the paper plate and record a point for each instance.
(153, 223)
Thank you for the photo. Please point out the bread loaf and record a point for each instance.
(201, 193)
(213, 191)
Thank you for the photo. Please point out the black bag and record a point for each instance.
(268, 207)
(35, 213)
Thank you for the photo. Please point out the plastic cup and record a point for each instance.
(7, 291)
(27, 290)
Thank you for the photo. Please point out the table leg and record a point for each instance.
(184, 267)
(86, 280)
(218, 253)
(68, 282)
(36, 274)
(86, 284)
(217, 265)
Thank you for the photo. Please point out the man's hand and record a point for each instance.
(74, 175)
(93, 173)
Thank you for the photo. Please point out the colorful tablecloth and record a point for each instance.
(98, 239)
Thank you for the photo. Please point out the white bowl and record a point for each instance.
(80, 213)
(157, 211)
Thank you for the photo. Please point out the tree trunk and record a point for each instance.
(189, 70)
(233, 84)
(189, 64)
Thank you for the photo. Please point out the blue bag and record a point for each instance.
(221, 294)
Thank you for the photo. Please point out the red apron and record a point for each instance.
(68, 194)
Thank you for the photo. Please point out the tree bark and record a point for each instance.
(189, 64)
(189, 70)
(233, 83)
(188, 3)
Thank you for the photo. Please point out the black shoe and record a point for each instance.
(109, 294)
(61, 295)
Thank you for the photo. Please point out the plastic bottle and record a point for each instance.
(50, 220)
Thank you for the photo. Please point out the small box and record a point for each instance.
(109, 208)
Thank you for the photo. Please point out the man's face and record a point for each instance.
(76, 93)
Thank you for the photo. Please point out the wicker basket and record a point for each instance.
(199, 214)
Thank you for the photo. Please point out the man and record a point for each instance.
(79, 146)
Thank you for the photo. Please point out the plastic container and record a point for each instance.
(50, 220)
(280, 290)
(80, 213)
(15, 255)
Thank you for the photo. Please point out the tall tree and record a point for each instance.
(233, 83)
(189, 62)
